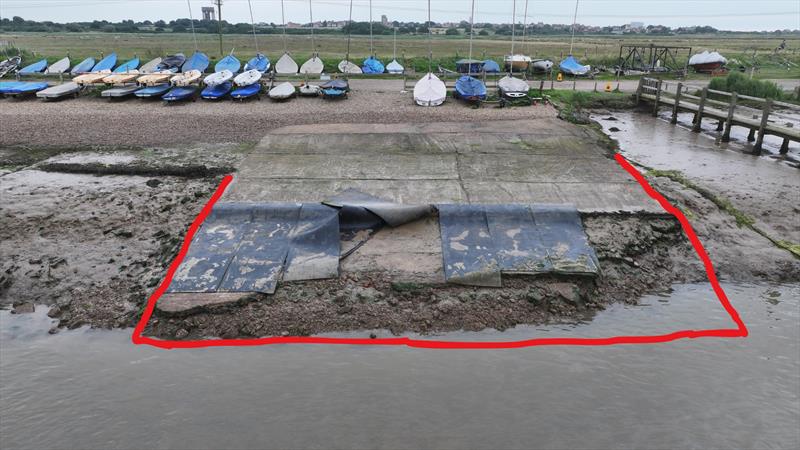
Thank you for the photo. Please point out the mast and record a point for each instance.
(349, 31)
(471, 33)
(253, 22)
(191, 20)
(283, 20)
(574, 19)
(394, 51)
(313, 42)
(430, 41)
(371, 48)
(525, 28)
(513, 29)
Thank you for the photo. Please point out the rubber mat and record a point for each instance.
(314, 244)
(468, 250)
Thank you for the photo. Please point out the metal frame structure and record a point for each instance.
(644, 57)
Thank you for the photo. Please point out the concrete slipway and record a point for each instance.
(498, 162)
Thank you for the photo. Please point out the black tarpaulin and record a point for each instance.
(394, 214)
(568, 248)
(468, 250)
(517, 239)
(314, 244)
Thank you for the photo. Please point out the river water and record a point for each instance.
(94, 389)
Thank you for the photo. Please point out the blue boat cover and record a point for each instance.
(571, 66)
(372, 65)
(153, 91)
(490, 66)
(128, 66)
(470, 88)
(106, 63)
(179, 93)
(335, 84)
(83, 67)
(246, 91)
(7, 86)
(36, 67)
(198, 61)
(480, 242)
(228, 63)
(259, 62)
(217, 92)
(333, 93)
(29, 87)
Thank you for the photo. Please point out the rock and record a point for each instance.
(373, 336)
(614, 129)
(366, 295)
(23, 308)
(181, 333)
(153, 183)
(344, 309)
(464, 297)
(611, 118)
(535, 295)
(445, 306)
(124, 234)
(567, 291)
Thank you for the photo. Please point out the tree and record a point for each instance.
(452, 32)
(483, 33)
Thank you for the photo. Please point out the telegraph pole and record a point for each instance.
(219, 24)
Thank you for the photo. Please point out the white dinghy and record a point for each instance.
(247, 78)
(347, 66)
(314, 65)
(58, 67)
(217, 78)
(282, 91)
(512, 87)
(150, 66)
(430, 90)
(394, 66)
(285, 64)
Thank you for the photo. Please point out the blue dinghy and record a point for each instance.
(36, 67)
(217, 92)
(180, 93)
(490, 66)
(470, 89)
(7, 86)
(228, 63)
(198, 61)
(259, 62)
(246, 91)
(334, 89)
(372, 65)
(27, 88)
(83, 67)
(128, 66)
(571, 66)
(153, 91)
(106, 63)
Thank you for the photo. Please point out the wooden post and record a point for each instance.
(639, 91)
(784, 146)
(726, 135)
(677, 104)
(751, 136)
(541, 88)
(658, 98)
(698, 118)
(595, 86)
(720, 124)
(762, 127)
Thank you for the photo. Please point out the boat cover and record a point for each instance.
(150, 66)
(470, 88)
(106, 63)
(246, 91)
(308, 90)
(349, 67)
(128, 66)
(217, 78)
(571, 66)
(218, 91)
(121, 78)
(172, 62)
(282, 91)
(7, 86)
(395, 67)
(58, 67)
(229, 63)
(490, 66)
(153, 91)
(91, 77)
(258, 62)
(707, 57)
(313, 66)
(36, 67)
(83, 66)
(372, 65)
(481, 242)
(198, 61)
(28, 87)
(430, 91)
(179, 93)
(469, 66)
(119, 92)
(286, 65)
(186, 78)
(513, 87)
(152, 79)
(247, 78)
(59, 90)
(335, 84)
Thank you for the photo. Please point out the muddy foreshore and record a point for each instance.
(89, 232)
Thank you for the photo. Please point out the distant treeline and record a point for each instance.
(18, 24)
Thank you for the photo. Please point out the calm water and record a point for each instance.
(93, 389)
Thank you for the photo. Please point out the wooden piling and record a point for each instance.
(762, 127)
(726, 135)
(720, 125)
(658, 98)
(698, 118)
(751, 136)
(784, 146)
(639, 91)
(677, 104)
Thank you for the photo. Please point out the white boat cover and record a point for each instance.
(517, 58)
(186, 78)
(247, 78)
(150, 66)
(346, 66)
(313, 65)
(60, 90)
(309, 90)
(707, 58)
(217, 78)
(510, 86)
(282, 91)
(542, 65)
(60, 66)
(430, 91)
(394, 67)
(286, 65)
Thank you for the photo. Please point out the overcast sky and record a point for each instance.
(722, 14)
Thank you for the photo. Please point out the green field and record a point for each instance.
(412, 50)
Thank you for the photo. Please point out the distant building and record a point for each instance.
(208, 13)
(384, 20)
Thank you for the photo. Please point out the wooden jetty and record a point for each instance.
(728, 113)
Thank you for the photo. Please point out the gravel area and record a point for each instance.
(91, 120)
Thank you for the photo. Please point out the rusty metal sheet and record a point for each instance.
(518, 242)
(568, 248)
(468, 250)
(261, 254)
(314, 244)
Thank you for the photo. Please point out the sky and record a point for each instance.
(739, 15)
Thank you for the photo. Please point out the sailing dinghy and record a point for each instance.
(513, 88)
(219, 84)
(571, 66)
(283, 91)
(469, 88)
(92, 77)
(218, 78)
(60, 91)
(395, 67)
(249, 84)
(26, 88)
(286, 65)
(542, 65)
(37, 67)
(58, 67)
(314, 65)
(150, 66)
(217, 91)
(244, 92)
(430, 90)
(372, 65)
(259, 62)
(346, 66)
(308, 90)
(84, 66)
(335, 89)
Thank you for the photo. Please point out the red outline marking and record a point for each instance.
(739, 331)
